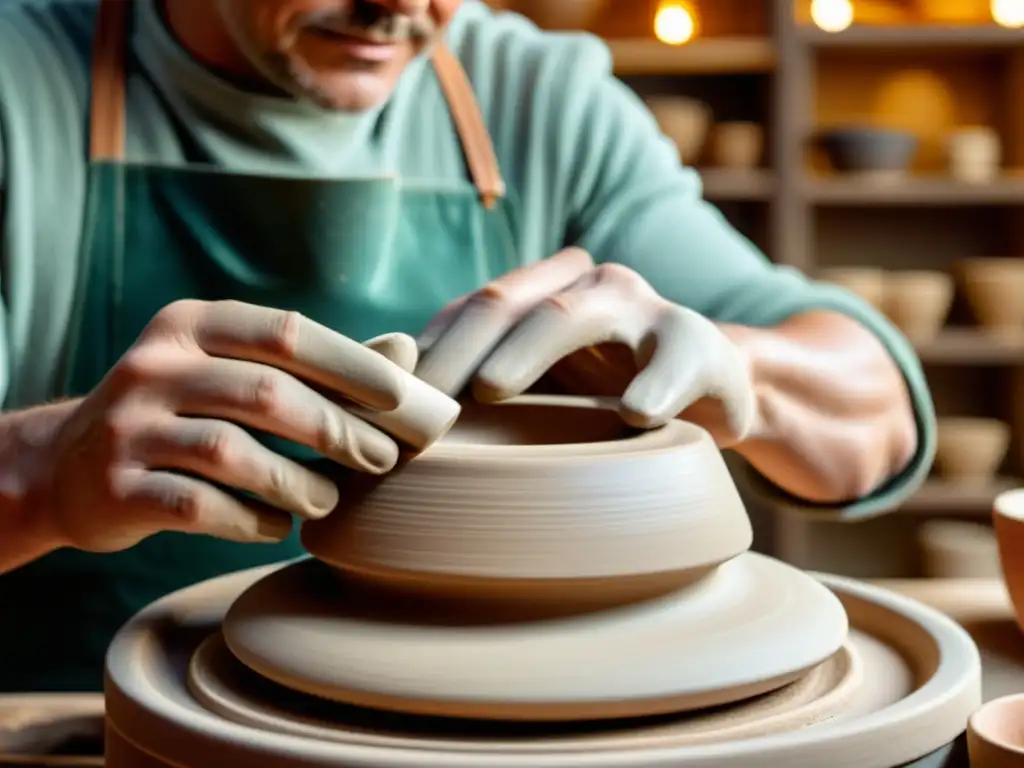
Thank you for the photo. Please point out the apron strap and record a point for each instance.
(107, 104)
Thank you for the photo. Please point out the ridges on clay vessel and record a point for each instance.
(345, 664)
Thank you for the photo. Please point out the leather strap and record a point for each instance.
(107, 104)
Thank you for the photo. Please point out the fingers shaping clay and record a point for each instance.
(541, 588)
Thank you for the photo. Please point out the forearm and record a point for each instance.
(26, 530)
(836, 420)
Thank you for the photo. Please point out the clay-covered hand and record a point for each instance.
(153, 446)
(598, 330)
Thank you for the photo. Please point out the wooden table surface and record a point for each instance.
(980, 605)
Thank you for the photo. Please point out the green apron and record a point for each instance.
(364, 257)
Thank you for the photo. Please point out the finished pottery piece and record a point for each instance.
(1008, 521)
(995, 734)
(918, 302)
(737, 145)
(920, 683)
(685, 121)
(993, 288)
(952, 549)
(866, 282)
(871, 154)
(611, 512)
(975, 154)
(970, 450)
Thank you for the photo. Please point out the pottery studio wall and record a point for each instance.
(875, 143)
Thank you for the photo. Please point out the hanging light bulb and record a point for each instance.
(833, 15)
(1008, 13)
(675, 22)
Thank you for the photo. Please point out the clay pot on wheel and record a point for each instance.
(956, 550)
(563, 15)
(738, 145)
(995, 734)
(918, 302)
(866, 282)
(994, 288)
(686, 121)
(970, 450)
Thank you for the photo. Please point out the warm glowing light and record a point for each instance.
(1008, 13)
(674, 23)
(833, 15)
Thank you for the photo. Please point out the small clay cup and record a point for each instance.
(995, 734)
(994, 288)
(738, 145)
(918, 302)
(970, 450)
(684, 120)
(867, 282)
(975, 154)
(1008, 521)
(951, 549)
(875, 154)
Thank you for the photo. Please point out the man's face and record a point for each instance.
(342, 54)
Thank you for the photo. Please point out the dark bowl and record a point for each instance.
(856, 150)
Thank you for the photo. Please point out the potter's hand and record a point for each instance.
(147, 449)
(601, 330)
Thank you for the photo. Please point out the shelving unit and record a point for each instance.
(763, 60)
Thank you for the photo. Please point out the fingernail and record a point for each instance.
(322, 494)
(374, 452)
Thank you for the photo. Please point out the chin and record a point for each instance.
(351, 92)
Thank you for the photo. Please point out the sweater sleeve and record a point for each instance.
(630, 201)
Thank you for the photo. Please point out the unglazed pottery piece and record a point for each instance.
(738, 145)
(918, 301)
(921, 672)
(1008, 521)
(704, 645)
(995, 734)
(952, 549)
(686, 121)
(993, 287)
(866, 282)
(970, 450)
(975, 154)
(542, 498)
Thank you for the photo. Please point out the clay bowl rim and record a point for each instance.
(1009, 505)
(671, 436)
(978, 721)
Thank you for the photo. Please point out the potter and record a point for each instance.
(208, 212)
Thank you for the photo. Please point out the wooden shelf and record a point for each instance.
(921, 191)
(937, 496)
(918, 38)
(728, 185)
(725, 55)
(970, 346)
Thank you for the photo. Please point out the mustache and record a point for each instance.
(369, 20)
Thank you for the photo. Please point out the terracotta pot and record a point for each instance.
(994, 288)
(562, 15)
(995, 734)
(957, 550)
(975, 154)
(1008, 521)
(866, 282)
(738, 145)
(686, 121)
(918, 302)
(970, 450)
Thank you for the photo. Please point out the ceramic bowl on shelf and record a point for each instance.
(918, 301)
(995, 734)
(970, 450)
(1008, 522)
(867, 282)
(869, 153)
(737, 145)
(544, 496)
(993, 288)
(684, 120)
(953, 549)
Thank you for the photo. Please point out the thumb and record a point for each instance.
(399, 348)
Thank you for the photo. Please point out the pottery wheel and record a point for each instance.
(725, 638)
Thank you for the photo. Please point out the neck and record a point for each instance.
(200, 30)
